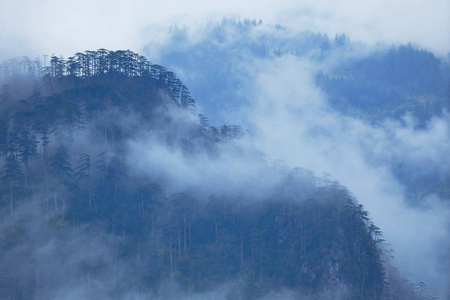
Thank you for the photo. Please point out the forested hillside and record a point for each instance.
(371, 83)
(82, 216)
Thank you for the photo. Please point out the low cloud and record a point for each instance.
(48, 26)
(296, 124)
(292, 122)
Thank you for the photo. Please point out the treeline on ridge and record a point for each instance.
(76, 216)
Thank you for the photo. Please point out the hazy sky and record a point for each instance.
(33, 27)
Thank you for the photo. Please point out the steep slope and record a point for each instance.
(85, 215)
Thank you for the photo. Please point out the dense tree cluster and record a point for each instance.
(389, 84)
(99, 64)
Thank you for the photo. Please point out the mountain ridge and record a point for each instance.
(79, 188)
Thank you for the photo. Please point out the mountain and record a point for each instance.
(113, 188)
(373, 83)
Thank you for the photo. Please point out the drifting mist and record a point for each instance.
(274, 84)
(293, 121)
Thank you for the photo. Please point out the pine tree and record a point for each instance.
(3, 138)
(83, 173)
(12, 175)
(27, 150)
(60, 166)
(61, 170)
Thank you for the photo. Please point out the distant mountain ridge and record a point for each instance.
(373, 84)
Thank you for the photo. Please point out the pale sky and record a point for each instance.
(36, 27)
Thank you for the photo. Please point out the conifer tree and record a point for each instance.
(27, 150)
(12, 175)
(60, 166)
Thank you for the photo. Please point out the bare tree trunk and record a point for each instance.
(217, 233)
(253, 266)
(63, 208)
(260, 265)
(153, 220)
(139, 208)
(26, 173)
(90, 194)
(56, 203)
(105, 138)
(11, 196)
(171, 258)
(242, 250)
(190, 237)
(179, 245)
(46, 206)
(184, 233)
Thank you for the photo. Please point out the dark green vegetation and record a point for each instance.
(78, 221)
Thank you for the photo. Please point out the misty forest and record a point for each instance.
(116, 184)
